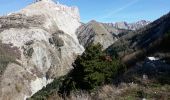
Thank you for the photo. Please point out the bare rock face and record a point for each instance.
(46, 45)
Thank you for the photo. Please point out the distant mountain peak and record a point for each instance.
(93, 21)
(129, 26)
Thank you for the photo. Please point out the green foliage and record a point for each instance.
(94, 68)
(48, 90)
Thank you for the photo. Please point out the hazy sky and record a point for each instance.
(104, 10)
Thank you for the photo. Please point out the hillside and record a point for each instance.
(143, 42)
(95, 32)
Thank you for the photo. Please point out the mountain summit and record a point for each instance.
(37, 44)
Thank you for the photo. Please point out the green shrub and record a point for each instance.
(94, 68)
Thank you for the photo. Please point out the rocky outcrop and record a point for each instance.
(43, 35)
(95, 32)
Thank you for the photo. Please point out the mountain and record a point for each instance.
(95, 32)
(151, 40)
(129, 26)
(105, 33)
(37, 44)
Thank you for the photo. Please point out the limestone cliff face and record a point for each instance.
(43, 35)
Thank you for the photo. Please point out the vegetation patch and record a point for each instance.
(49, 90)
(94, 68)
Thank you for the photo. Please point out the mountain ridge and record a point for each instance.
(141, 39)
(103, 33)
(129, 26)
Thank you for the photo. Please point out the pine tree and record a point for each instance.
(92, 69)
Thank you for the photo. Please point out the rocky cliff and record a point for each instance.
(37, 44)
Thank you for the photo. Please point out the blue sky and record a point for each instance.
(104, 10)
